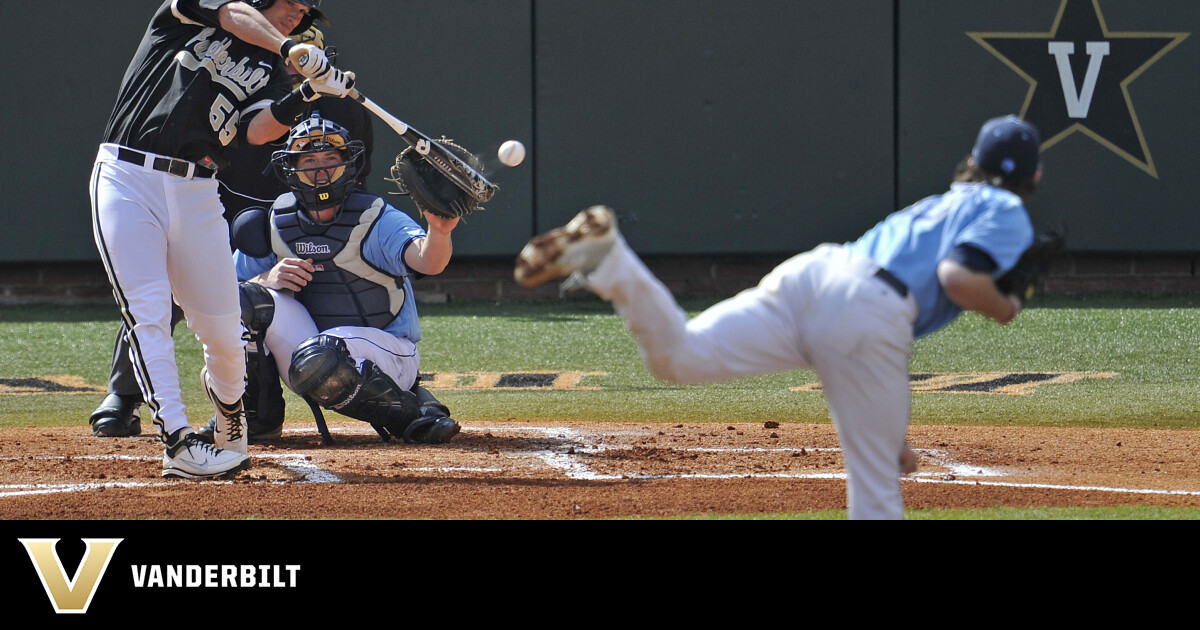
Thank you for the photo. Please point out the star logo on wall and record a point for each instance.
(1079, 75)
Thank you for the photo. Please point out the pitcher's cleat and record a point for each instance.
(578, 246)
(189, 457)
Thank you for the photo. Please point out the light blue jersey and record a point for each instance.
(912, 242)
(383, 248)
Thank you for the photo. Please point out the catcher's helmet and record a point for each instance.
(318, 135)
(314, 12)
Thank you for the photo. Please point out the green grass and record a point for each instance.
(1149, 342)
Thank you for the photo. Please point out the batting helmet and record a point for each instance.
(314, 12)
(318, 135)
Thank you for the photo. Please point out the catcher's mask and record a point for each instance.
(314, 12)
(316, 191)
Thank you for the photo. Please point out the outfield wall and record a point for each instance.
(714, 128)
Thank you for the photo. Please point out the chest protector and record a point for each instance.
(345, 290)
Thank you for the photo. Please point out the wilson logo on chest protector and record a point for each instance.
(312, 248)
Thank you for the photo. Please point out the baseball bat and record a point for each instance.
(459, 172)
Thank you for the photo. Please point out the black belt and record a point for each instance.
(893, 281)
(179, 168)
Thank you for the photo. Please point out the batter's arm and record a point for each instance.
(975, 291)
(248, 25)
(263, 128)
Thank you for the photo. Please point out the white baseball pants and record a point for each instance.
(292, 325)
(822, 309)
(163, 237)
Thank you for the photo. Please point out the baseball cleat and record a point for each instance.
(578, 246)
(117, 416)
(431, 430)
(256, 435)
(189, 457)
(230, 431)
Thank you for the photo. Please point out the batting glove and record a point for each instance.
(308, 60)
(333, 83)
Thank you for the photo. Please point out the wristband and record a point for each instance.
(290, 109)
(286, 48)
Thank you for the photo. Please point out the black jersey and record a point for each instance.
(190, 84)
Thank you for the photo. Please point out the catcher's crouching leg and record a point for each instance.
(323, 370)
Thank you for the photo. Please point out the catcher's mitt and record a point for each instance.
(1022, 279)
(431, 190)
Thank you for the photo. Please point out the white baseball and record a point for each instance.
(511, 153)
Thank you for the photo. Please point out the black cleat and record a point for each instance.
(431, 430)
(117, 416)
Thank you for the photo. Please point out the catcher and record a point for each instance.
(326, 288)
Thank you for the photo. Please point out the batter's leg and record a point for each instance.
(131, 236)
(122, 380)
(119, 413)
(205, 283)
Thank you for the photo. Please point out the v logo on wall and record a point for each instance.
(70, 595)
(1079, 74)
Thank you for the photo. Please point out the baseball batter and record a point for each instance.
(245, 182)
(329, 270)
(849, 311)
(204, 77)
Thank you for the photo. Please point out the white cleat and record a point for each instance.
(189, 457)
(230, 433)
(577, 247)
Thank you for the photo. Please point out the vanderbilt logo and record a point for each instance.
(1079, 74)
(73, 595)
(311, 248)
(238, 76)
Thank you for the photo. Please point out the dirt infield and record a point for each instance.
(572, 470)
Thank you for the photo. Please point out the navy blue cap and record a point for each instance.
(1008, 146)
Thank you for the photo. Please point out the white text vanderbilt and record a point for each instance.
(215, 575)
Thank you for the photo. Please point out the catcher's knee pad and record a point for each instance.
(322, 369)
(258, 307)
